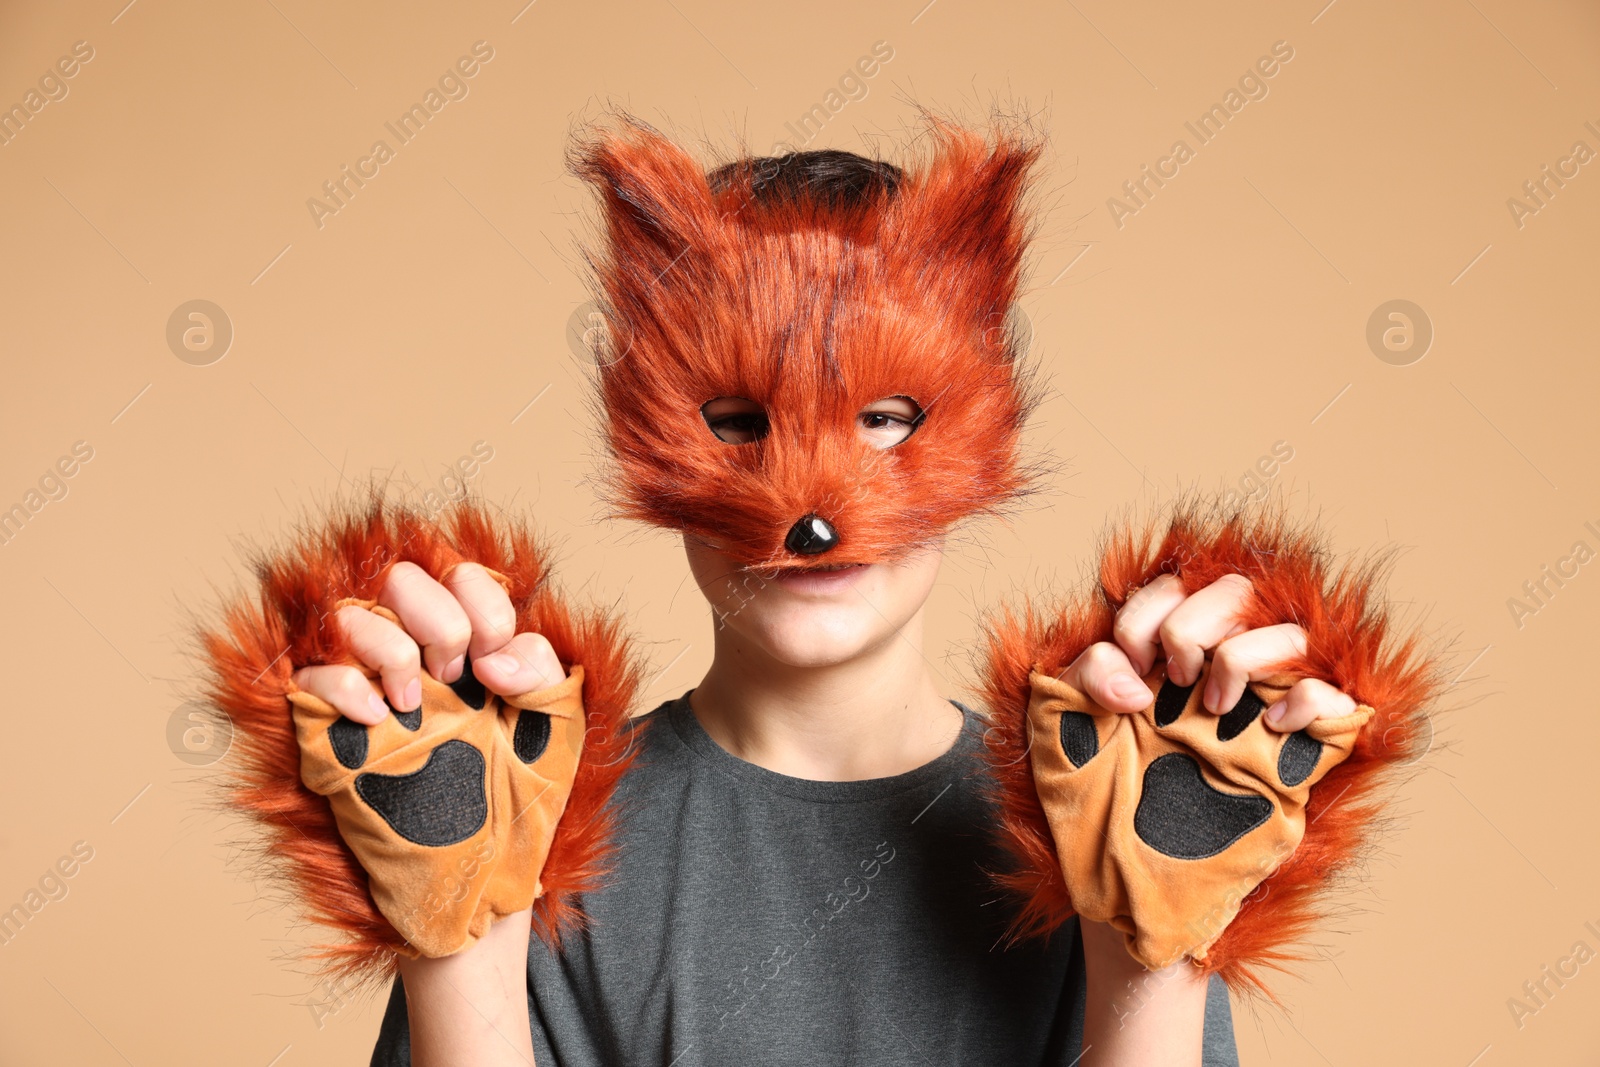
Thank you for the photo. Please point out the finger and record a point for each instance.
(387, 649)
(525, 663)
(347, 689)
(488, 608)
(1249, 657)
(1306, 701)
(1104, 674)
(432, 616)
(1138, 626)
(1202, 622)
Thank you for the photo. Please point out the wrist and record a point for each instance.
(1135, 1015)
(504, 944)
(471, 1007)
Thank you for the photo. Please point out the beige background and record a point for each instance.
(1227, 315)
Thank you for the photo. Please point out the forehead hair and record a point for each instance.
(829, 178)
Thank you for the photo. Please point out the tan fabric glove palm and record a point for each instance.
(1167, 818)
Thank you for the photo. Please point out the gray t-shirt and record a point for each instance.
(754, 918)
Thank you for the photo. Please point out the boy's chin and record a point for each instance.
(821, 637)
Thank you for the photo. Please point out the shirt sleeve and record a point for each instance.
(394, 1033)
(1218, 1047)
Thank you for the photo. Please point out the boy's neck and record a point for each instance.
(876, 715)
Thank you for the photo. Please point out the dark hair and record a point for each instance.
(828, 176)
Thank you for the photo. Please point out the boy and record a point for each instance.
(805, 383)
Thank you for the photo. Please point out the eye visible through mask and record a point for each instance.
(736, 420)
(889, 421)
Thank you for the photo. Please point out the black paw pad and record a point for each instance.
(470, 691)
(532, 735)
(1243, 714)
(349, 741)
(349, 738)
(1079, 738)
(1182, 815)
(1299, 757)
(442, 803)
(1171, 701)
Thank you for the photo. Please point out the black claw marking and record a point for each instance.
(411, 720)
(468, 688)
(1171, 701)
(1182, 815)
(1243, 714)
(1079, 739)
(349, 741)
(443, 803)
(1299, 757)
(532, 735)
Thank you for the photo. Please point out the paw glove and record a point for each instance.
(413, 836)
(1200, 836)
(450, 808)
(1167, 818)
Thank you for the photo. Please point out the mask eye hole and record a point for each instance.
(735, 420)
(889, 421)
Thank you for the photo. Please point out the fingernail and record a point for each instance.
(452, 670)
(378, 705)
(1211, 695)
(505, 663)
(413, 697)
(1127, 686)
(1275, 712)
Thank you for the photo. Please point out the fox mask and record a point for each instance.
(813, 306)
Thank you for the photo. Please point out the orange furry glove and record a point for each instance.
(1199, 836)
(412, 836)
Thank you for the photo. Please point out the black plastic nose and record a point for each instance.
(811, 536)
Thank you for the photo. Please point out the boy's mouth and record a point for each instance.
(786, 569)
(819, 578)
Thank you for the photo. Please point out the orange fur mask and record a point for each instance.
(746, 283)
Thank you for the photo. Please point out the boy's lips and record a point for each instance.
(819, 579)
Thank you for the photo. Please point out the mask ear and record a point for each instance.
(653, 194)
(961, 219)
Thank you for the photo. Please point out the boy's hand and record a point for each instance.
(1161, 621)
(450, 804)
(468, 616)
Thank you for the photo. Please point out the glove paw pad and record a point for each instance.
(439, 804)
(1182, 815)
